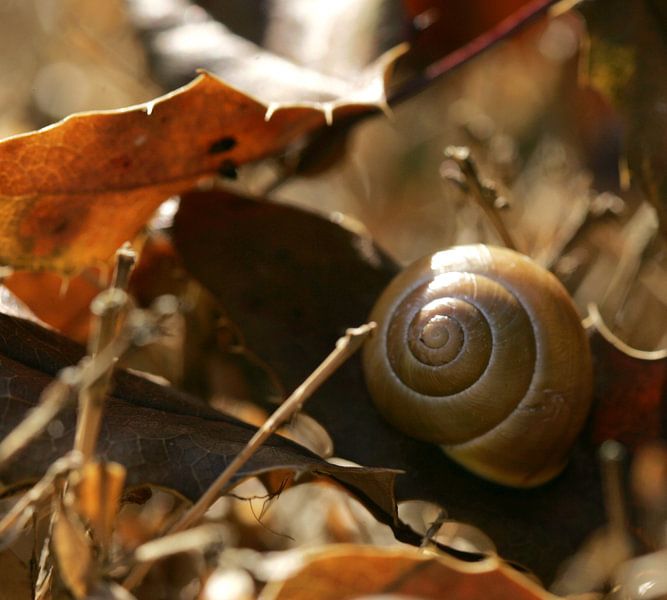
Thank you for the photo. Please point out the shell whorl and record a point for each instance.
(481, 350)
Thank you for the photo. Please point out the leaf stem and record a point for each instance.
(483, 194)
(346, 346)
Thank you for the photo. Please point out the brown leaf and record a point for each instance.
(159, 435)
(60, 187)
(298, 279)
(293, 281)
(342, 572)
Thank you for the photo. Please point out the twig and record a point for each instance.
(107, 308)
(183, 541)
(126, 258)
(345, 347)
(483, 194)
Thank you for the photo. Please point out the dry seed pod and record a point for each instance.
(482, 351)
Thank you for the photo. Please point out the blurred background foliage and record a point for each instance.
(534, 111)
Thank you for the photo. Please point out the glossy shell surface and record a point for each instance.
(482, 351)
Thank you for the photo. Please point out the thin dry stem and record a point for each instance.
(345, 347)
(107, 308)
(484, 195)
(126, 258)
(196, 538)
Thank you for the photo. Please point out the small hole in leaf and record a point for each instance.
(222, 145)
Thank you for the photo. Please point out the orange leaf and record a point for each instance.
(353, 571)
(63, 303)
(75, 191)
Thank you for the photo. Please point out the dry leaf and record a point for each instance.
(322, 277)
(73, 551)
(342, 572)
(63, 303)
(159, 435)
(287, 276)
(62, 186)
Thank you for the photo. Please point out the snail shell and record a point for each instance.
(482, 351)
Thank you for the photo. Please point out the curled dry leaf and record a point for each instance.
(421, 516)
(341, 572)
(63, 301)
(631, 388)
(159, 435)
(322, 277)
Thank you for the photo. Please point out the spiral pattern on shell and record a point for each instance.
(482, 351)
